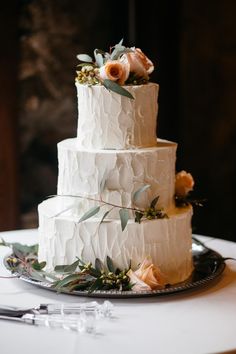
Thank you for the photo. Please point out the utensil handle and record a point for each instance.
(103, 310)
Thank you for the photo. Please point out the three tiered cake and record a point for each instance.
(116, 182)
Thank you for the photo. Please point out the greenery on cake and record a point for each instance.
(81, 276)
(84, 276)
(149, 213)
(184, 184)
(114, 69)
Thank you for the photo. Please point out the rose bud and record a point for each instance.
(184, 183)
(115, 71)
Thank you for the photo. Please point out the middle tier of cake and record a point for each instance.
(114, 175)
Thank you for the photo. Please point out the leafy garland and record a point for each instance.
(67, 278)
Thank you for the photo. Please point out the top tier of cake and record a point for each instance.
(108, 120)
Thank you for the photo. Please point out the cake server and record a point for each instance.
(100, 310)
(78, 323)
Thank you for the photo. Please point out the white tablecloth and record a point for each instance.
(202, 321)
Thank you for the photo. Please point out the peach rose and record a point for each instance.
(138, 284)
(115, 70)
(139, 63)
(184, 183)
(148, 274)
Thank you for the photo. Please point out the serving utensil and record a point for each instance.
(104, 310)
(81, 323)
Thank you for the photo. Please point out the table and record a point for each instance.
(202, 321)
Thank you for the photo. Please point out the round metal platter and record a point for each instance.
(208, 266)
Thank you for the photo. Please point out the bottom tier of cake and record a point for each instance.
(168, 241)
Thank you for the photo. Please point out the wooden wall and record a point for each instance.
(9, 194)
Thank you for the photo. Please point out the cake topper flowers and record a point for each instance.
(114, 69)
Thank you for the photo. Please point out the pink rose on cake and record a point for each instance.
(119, 67)
(115, 70)
(146, 277)
(139, 63)
(184, 183)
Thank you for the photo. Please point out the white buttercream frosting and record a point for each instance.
(108, 120)
(116, 153)
(114, 175)
(167, 241)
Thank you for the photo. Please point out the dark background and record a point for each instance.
(193, 46)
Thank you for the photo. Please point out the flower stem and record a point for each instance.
(100, 201)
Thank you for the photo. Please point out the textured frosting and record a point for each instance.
(116, 153)
(108, 120)
(167, 241)
(115, 175)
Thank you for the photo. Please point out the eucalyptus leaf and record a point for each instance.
(102, 184)
(72, 267)
(3, 243)
(38, 266)
(104, 216)
(49, 275)
(98, 265)
(110, 265)
(124, 217)
(154, 202)
(91, 212)
(80, 261)
(99, 59)
(118, 52)
(34, 249)
(23, 249)
(60, 268)
(20, 251)
(70, 278)
(113, 86)
(130, 262)
(36, 275)
(94, 272)
(138, 216)
(67, 268)
(140, 191)
(85, 57)
(99, 51)
(118, 47)
(97, 284)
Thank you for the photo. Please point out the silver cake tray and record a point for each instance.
(208, 266)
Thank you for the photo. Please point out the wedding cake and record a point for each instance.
(116, 181)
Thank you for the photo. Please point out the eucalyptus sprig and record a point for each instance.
(183, 201)
(66, 278)
(84, 276)
(92, 278)
(152, 212)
